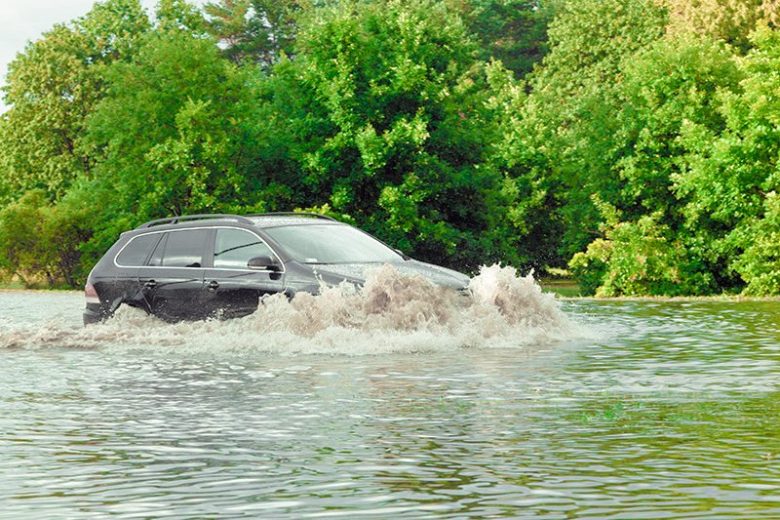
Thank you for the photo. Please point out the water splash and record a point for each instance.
(392, 312)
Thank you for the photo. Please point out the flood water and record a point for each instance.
(640, 410)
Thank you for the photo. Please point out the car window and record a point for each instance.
(233, 248)
(137, 250)
(331, 244)
(157, 257)
(185, 248)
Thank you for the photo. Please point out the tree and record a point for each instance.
(569, 116)
(732, 181)
(759, 263)
(665, 88)
(512, 31)
(40, 243)
(179, 15)
(636, 258)
(176, 133)
(21, 254)
(731, 21)
(51, 89)
(385, 108)
(258, 31)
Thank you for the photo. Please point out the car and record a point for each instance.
(201, 266)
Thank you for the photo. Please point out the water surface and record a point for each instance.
(657, 410)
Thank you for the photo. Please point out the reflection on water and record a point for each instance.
(665, 410)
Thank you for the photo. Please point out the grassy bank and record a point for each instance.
(568, 289)
(11, 285)
(564, 287)
(731, 298)
(17, 285)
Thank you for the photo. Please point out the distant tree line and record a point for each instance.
(634, 142)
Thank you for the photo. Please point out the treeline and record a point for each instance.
(634, 142)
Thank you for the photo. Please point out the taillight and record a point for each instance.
(90, 294)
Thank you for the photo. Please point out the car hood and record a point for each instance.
(357, 272)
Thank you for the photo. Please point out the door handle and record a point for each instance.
(213, 285)
(151, 284)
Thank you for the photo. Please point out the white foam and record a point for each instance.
(392, 312)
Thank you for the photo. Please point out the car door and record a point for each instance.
(233, 289)
(172, 280)
(124, 287)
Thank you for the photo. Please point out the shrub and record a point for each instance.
(41, 244)
(759, 265)
(638, 258)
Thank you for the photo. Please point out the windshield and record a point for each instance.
(331, 244)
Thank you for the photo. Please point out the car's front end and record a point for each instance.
(328, 253)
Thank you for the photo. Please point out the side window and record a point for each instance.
(233, 248)
(157, 257)
(185, 248)
(137, 250)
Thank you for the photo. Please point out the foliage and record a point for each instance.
(175, 133)
(569, 117)
(511, 31)
(731, 21)
(633, 147)
(41, 243)
(666, 88)
(588, 39)
(733, 175)
(386, 112)
(259, 31)
(636, 141)
(179, 15)
(759, 264)
(638, 258)
(51, 89)
(20, 224)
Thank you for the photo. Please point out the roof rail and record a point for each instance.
(294, 214)
(184, 218)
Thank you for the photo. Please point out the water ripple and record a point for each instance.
(667, 410)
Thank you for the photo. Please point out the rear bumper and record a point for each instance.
(93, 316)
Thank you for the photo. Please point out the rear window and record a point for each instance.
(185, 248)
(136, 251)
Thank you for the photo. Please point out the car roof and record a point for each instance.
(267, 221)
(264, 220)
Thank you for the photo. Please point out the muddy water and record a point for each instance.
(590, 410)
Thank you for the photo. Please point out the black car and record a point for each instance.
(199, 266)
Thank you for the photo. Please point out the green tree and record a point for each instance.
(731, 184)
(20, 226)
(52, 87)
(259, 31)
(642, 257)
(644, 145)
(41, 244)
(759, 263)
(177, 132)
(386, 110)
(512, 31)
(180, 15)
(731, 21)
(529, 190)
(569, 118)
(668, 86)
(664, 89)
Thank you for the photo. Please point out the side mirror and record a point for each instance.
(262, 263)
